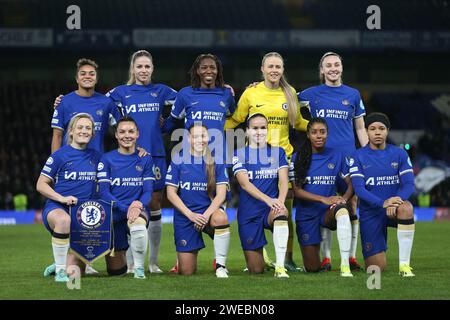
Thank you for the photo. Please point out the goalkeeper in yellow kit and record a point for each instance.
(277, 101)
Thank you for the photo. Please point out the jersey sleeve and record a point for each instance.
(359, 184)
(148, 179)
(406, 174)
(115, 113)
(291, 167)
(241, 112)
(282, 161)
(238, 164)
(51, 167)
(58, 116)
(172, 175)
(221, 174)
(360, 109)
(303, 99)
(169, 96)
(115, 94)
(179, 107)
(231, 103)
(345, 169)
(103, 171)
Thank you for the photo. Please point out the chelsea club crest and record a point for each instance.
(91, 215)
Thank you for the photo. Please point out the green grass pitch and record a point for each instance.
(25, 250)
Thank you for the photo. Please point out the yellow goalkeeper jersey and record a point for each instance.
(273, 105)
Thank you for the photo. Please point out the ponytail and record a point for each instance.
(291, 100)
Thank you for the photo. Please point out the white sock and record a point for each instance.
(280, 239)
(129, 255)
(405, 236)
(354, 243)
(344, 235)
(221, 245)
(60, 249)
(325, 245)
(154, 236)
(138, 244)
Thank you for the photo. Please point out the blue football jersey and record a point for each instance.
(73, 171)
(208, 106)
(262, 167)
(381, 171)
(321, 179)
(338, 106)
(98, 106)
(145, 104)
(191, 180)
(126, 175)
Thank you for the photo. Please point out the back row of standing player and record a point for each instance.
(208, 100)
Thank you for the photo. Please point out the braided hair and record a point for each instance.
(302, 161)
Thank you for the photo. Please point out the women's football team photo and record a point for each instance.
(334, 176)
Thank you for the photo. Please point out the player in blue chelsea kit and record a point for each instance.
(144, 101)
(68, 177)
(84, 100)
(383, 179)
(207, 100)
(197, 189)
(315, 170)
(262, 173)
(127, 180)
(342, 107)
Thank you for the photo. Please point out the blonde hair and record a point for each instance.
(291, 98)
(137, 54)
(73, 122)
(210, 164)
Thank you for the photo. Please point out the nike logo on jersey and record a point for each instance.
(194, 103)
(126, 97)
(259, 105)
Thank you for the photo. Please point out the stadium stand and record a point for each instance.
(230, 14)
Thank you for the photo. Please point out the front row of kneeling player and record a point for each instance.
(381, 175)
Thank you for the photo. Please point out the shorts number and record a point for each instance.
(157, 173)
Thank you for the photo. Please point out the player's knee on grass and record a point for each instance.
(311, 258)
(405, 211)
(117, 272)
(378, 260)
(219, 218)
(187, 265)
(255, 268)
(116, 265)
(255, 261)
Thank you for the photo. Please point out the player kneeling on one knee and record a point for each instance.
(314, 173)
(383, 204)
(263, 190)
(197, 187)
(63, 192)
(130, 200)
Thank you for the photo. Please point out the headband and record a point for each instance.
(377, 117)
